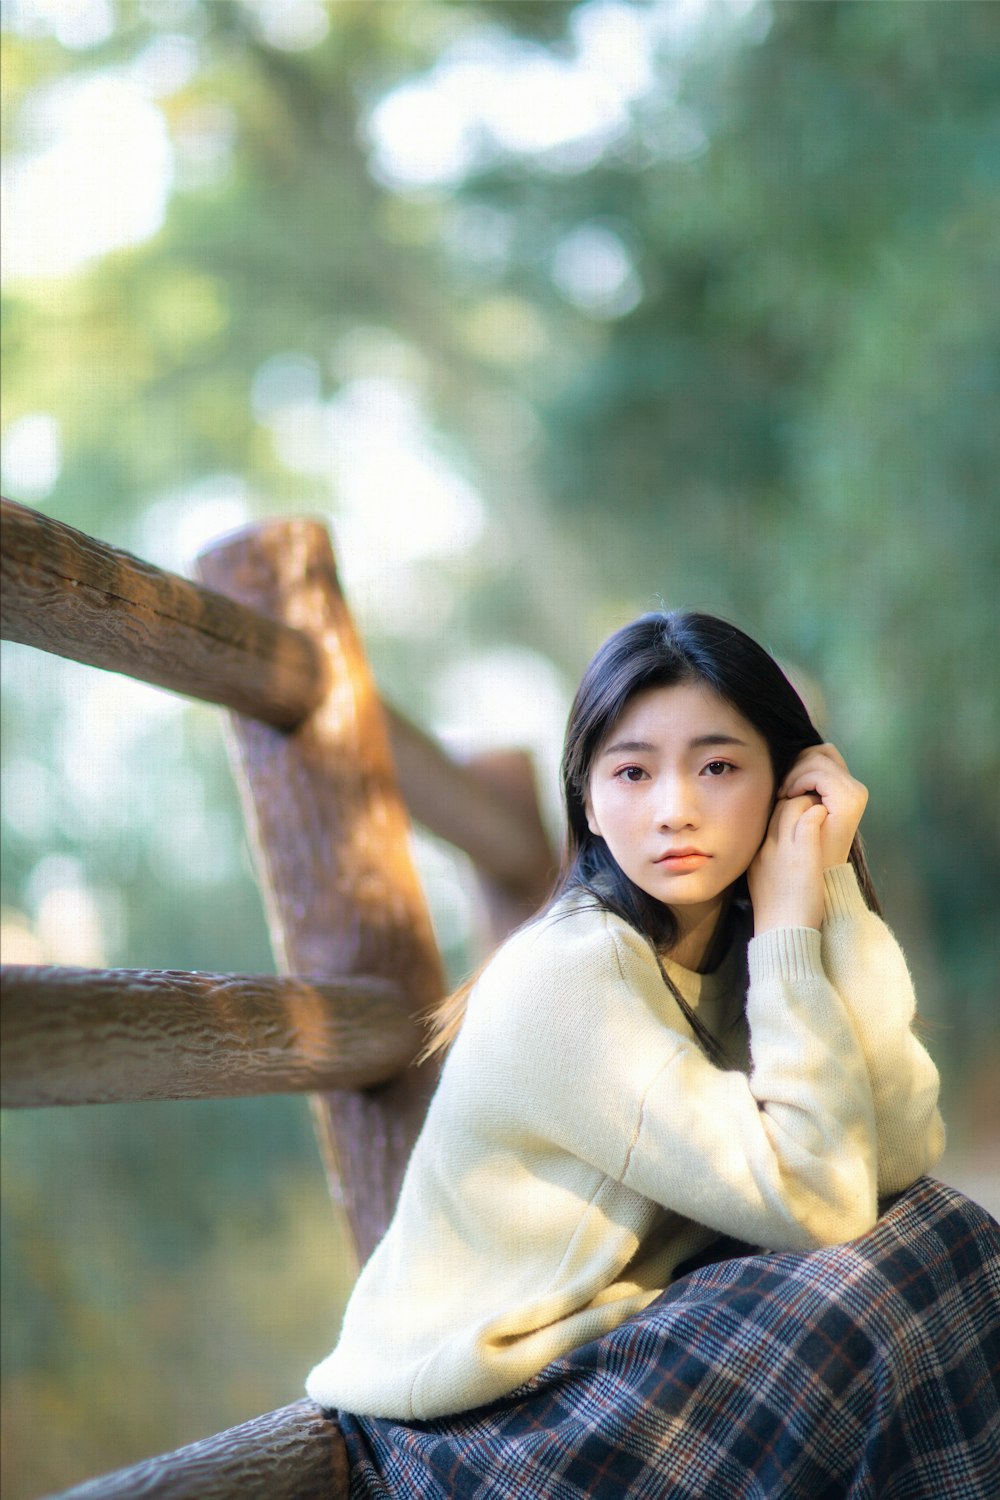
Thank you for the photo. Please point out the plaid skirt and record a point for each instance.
(870, 1369)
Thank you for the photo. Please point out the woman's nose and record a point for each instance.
(678, 804)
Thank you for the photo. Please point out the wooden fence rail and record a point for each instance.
(294, 1453)
(90, 1036)
(66, 593)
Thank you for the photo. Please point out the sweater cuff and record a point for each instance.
(841, 894)
(785, 953)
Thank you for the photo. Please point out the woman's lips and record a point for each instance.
(683, 859)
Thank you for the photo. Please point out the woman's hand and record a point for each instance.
(822, 772)
(786, 875)
(815, 818)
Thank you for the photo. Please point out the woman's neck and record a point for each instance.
(702, 936)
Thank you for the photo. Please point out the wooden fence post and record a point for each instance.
(331, 839)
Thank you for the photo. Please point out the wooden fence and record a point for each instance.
(326, 775)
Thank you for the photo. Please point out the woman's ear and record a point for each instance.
(591, 820)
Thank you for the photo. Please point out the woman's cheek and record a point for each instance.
(755, 817)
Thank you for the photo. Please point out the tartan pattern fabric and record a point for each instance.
(865, 1370)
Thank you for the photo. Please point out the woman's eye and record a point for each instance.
(718, 767)
(630, 773)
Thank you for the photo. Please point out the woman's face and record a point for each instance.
(681, 791)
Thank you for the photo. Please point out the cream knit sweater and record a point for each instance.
(580, 1145)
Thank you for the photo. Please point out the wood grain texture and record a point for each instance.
(332, 847)
(69, 594)
(295, 1453)
(87, 1036)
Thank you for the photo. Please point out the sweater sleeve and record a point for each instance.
(867, 968)
(784, 1158)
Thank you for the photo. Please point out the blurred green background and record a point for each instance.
(554, 311)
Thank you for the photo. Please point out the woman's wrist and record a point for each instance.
(780, 921)
(792, 904)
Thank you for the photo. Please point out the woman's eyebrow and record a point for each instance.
(643, 747)
(629, 747)
(716, 739)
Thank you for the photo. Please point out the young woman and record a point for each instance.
(705, 1037)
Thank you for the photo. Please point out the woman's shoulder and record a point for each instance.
(562, 986)
(576, 949)
(575, 929)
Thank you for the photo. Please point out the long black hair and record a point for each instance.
(661, 649)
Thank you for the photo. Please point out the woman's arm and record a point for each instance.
(868, 971)
(784, 1157)
(591, 1059)
(866, 967)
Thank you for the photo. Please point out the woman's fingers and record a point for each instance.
(804, 815)
(786, 877)
(822, 771)
(788, 811)
(811, 821)
(818, 762)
